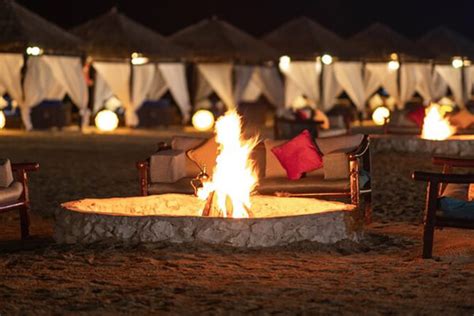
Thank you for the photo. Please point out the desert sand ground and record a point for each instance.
(382, 275)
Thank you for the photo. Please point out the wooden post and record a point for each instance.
(429, 220)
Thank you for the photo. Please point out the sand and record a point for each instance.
(383, 274)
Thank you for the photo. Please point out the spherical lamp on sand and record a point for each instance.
(2, 120)
(203, 120)
(380, 115)
(106, 121)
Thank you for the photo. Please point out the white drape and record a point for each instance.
(203, 89)
(379, 75)
(68, 72)
(452, 77)
(158, 86)
(292, 91)
(468, 81)
(40, 84)
(305, 78)
(243, 75)
(174, 75)
(349, 76)
(439, 87)
(271, 85)
(331, 88)
(219, 77)
(424, 81)
(10, 76)
(252, 91)
(407, 82)
(116, 76)
(142, 80)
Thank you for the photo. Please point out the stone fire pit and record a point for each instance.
(176, 218)
(458, 145)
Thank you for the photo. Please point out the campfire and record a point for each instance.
(234, 177)
(435, 125)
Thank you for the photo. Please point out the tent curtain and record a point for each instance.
(453, 78)
(468, 81)
(40, 84)
(331, 88)
(243, 75)
(115, 76)
(142, 80)
(158, 86)
(174, 75)
(10, 76)
(203, 89)
(407, 82)
(378, 74)
(305, 78)
(219, 77)
(349, 76)
(68, 71)
(271, 85)
(424, 81)
(252, 91)
(292, 91)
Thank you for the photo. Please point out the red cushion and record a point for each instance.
(417, 116)
(298, 155)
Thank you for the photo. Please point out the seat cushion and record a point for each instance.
(11, 194)
(6, 174)
(336, 166)
(186, 143)
(205, 155)
(311, 184)
(181, 186)
(167, 166)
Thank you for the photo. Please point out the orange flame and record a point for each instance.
(234, 176)
(435, 125)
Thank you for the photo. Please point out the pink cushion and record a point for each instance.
(298, 155)
(417, 116)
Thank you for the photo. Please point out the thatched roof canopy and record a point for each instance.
(303, 38)
(445, 43)
(115, 36)
(217, 40)
(20, 28)
(378, 41)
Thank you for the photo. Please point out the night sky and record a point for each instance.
(412, 18)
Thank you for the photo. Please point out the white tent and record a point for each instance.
(51, 78)
(380, 75)
(150, 82)
(343, 76)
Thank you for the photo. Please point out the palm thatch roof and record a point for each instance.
(303, 38)
(445, 43)
(20, 28)
(216, 40)
(115, 36)
(379, 41)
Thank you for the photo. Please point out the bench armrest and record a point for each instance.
(453, 161)
(26, 166)
(443, 177)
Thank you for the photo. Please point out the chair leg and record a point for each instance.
(368, 208)
(428, 236)
(24, 222)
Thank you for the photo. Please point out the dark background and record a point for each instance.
(412, 18)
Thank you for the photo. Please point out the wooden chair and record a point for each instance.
(436, 185)
(22, 204)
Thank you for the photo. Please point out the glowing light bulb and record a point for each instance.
(380, 115)
(285, 62)
(34, 51)
(2, 120)
(457, 62)
(326, 59)
(393, 65)
(203, 120)
(106, 121)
